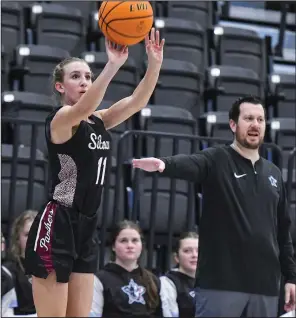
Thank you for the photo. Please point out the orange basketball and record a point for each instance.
(125, 22)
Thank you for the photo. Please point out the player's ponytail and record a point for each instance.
(148, 281)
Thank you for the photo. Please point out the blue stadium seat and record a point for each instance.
(4, 70)
(185, 40)
(12, 25)
(117, 131)
(201, 11)
(283, 133)
(227, 83)
(22, 184)
(30, 106)
(123, 83)
(283, 96)
(33, 66)
(240, 47)
(167, 119)
(59, 26)
(180, 85)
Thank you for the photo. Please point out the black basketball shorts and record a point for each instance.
(62, 240)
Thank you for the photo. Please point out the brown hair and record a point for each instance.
(17, 227)
(184, 236)
(148, 279)
(59, 72)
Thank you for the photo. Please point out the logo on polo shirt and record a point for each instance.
(273, 181)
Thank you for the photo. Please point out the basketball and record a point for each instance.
(125, 22)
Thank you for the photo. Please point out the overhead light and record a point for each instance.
(275, 79)
(8, 98)
(211, 119)
(146, 112)
(159, 23)
(275, 125)
(215, 72)
(89, 58)
(24, 51)
(218, 30)
(37, 9)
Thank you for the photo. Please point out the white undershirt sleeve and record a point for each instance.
(168, 296)
(98, 299)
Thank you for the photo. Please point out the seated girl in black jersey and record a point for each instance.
(14, 265)
(123, 288)
(180, 281)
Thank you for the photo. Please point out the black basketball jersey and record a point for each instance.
(185, 292)
(78, 166)
(124, 293)
(23, 288)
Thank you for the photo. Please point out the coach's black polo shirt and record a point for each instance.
(244, 229)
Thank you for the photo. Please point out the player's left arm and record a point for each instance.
(288, 264)
(130, 105)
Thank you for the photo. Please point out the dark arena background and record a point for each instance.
(215, 52)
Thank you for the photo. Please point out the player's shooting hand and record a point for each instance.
(154, 47)
(290, 297)
(149, 164)
(117, 55)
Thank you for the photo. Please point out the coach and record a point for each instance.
(245, 242)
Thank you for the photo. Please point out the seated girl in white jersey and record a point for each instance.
(62, 247)
(123, 288)
(181, 280)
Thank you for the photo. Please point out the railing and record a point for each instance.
(19, 156)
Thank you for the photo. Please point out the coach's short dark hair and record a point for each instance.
(235, 108)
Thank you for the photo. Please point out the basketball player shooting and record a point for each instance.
(62, 248)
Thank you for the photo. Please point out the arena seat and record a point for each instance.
(163, 214)
(33, 65)
(123, 83)
(215, 124)
(22, 181)
(167, 119)
(4, 70)
(85, 7)
(31, 106)
(227, 83)
(240, 47)
(58, 26)
(185, 40)
(118, 130)
(201, 11)
(185, 93)
(12, 25)
(283, 133)
(283, 97)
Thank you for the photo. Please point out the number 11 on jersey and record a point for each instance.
(101, 168)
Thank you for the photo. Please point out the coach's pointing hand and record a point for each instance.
(290, 297)
(149, 164)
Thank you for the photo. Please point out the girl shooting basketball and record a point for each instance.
(62, 251)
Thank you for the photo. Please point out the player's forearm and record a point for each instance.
(144, 90)
(95, 94)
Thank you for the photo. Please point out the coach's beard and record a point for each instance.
(244, 142)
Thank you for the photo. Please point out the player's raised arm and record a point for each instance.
(130, 105)
(194, 167)
(83, 96)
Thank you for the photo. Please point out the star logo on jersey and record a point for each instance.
(135, 292)
(273, 181)
(192, 294)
